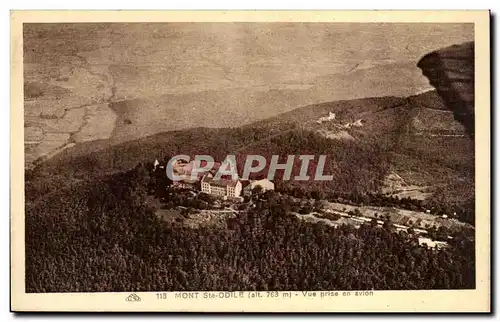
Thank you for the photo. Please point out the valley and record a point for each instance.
(113, 83)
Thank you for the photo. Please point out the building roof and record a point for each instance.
(245, 183)
(186, 170)
(264, 183)
(224, 181)
(265, 180)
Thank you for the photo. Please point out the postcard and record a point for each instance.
(250, 161)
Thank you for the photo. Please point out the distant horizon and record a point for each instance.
(233, 54)
(120, 82)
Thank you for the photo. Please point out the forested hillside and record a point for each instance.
(102, 236)
(89, 226)
(415, 138)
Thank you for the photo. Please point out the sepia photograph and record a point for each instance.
(250, 159)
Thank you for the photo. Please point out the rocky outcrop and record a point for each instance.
(451, 71)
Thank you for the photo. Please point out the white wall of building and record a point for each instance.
(264, 183)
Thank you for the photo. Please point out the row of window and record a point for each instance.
(217, 190)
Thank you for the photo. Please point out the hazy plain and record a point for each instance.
(118, 82)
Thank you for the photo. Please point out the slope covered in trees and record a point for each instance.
(417, 136)
(356, 167)
(414, 137)
(102, 236)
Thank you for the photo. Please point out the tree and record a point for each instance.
(257, 190)
(388, 224)
(320, 205)
(318, 194)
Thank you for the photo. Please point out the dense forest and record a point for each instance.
(102, 236)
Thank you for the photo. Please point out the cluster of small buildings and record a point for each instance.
(424, 241)
(331, 116)
(227, 186)
(358, 123)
